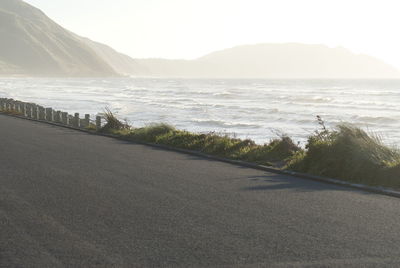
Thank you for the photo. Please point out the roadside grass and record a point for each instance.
(345, 152)
(276, 150)
(349, 153)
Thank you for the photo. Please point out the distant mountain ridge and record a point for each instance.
(287, 60)
(33, 45)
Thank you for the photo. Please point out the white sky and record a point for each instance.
(192, 28)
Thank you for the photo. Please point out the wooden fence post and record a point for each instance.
(17, 107)
(28, 110)
(57, 117)
(98, 123)
(49, 114)
(71, 120)
(64, 118)
(23, 109)
(76, 120)
(36, 112)
(86, 121)
(42, 114)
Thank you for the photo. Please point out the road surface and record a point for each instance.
(71, 199)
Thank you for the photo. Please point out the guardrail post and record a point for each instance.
(29, 110)
(35, 112)
(23, 109)
(42, 113)
(85, 123)
(49, 114)
(57, 117)
(17, 107)
(64, 118)
(76, 120)
(98, 123)
(70, 120)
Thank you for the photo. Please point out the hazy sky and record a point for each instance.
(192, 28)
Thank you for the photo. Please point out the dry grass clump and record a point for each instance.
(112, 122)
(349, 153)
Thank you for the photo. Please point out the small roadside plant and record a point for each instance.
(112, 122)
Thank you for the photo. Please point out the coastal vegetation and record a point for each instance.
(274, 152)
(349, 153)
(345, 152)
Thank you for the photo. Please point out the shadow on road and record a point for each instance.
(272, 182)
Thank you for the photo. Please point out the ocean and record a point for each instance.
(256, 109)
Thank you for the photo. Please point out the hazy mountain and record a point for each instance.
(32, 44)
(290, 60)
(121, 63)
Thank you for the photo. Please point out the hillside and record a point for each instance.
(121, 63)
(290, 60)
(32, 44)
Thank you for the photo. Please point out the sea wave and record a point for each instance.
(223, 124)
(250, 108)
(376, 119)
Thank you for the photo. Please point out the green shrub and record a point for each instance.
(150, 133)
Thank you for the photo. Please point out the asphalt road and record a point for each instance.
(71, 199)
